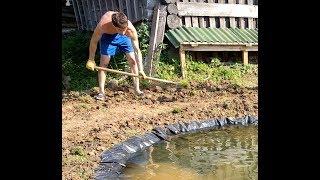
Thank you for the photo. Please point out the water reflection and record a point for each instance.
(226, 153)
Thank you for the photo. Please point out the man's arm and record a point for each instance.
(92, 48)
(94, 42)
(135, 43)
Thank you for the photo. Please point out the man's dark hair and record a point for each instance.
(120, 20)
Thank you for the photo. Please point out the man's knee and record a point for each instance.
(104, 60)
(131, 60)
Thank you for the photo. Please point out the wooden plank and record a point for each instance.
(254, 24)
(85, 14)
(250, 20)
(250, 23)
(129, 13)
(182, 55)
(107, 6)
(206, 21)
(94, 12)
(242, 19)
(202, 47)
(90, 16)
(156, 36)
(249, 2)
(245, 57)
(213, 9)
(81, 15)
(194, 20)
(202, 23)
(233, 23)
(242, 23)
(135, 10)
(138, 9)
(76, 12)
(152, 40)
(212, 22)
(100, 12)
(232, 19)
(222, 22)
(221, 1)
(201, 19)
(114, 5)
(120, 2)
(142, 6)
(187, 19)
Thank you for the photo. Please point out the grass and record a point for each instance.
(215, 71)
(176, 110)
(78, 151)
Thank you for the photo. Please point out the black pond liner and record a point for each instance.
(113, 161)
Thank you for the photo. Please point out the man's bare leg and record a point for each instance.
(134, 69)
(104, 61)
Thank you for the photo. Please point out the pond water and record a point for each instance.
(229, 153)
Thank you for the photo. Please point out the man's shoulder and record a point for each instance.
(131, 26)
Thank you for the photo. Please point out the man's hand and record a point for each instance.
(91, 64)
(144, 76)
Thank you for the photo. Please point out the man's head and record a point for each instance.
(120, 21)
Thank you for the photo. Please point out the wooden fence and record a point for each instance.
(220, 14)
(89, 12)
(68, 19)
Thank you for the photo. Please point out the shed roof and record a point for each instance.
(214, 36)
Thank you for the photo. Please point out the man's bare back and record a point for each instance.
(107, 27)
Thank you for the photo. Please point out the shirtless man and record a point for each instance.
(115, 33)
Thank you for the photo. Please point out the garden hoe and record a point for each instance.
(134, 75)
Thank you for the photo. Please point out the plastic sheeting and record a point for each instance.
(114, 159)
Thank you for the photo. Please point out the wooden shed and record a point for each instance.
(213, 25)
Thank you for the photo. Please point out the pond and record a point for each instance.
(221, 153)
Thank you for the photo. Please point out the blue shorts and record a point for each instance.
(110, 44)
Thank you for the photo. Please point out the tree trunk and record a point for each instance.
(173, 21)
(172, 9)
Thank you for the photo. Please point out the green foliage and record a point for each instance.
(184, 83)
(176, 110)
(143, 30)
(78, 150)
(75, 49)
(76, 46)
(200, 72)
(145, 83)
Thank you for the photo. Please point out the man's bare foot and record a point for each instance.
(139, 93)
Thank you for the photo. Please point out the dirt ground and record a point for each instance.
(90, 127)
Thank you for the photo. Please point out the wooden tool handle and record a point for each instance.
(134, 75)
